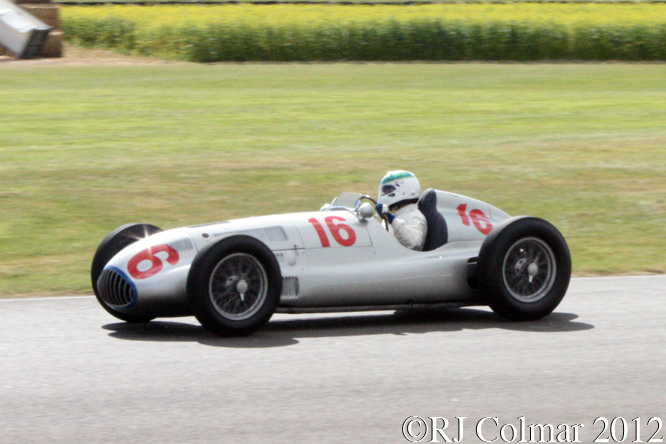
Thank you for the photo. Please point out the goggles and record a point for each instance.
(388, 189)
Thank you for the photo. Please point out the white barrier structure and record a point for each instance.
(20, 32)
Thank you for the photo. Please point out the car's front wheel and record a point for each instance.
(234, 286)
(524, 268)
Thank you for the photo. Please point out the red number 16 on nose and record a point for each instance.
(336, 231)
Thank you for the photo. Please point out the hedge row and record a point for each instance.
(369, 36)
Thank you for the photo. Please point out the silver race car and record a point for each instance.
(234, 275)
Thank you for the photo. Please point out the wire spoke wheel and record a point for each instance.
(529, 269)
(525, 268)
(234, 286)
(238, 286)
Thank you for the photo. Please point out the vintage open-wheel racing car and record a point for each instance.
(234, 275)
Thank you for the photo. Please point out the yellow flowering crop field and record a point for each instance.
(239, 32)
(309, 16)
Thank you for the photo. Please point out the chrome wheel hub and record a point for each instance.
(238, 286)
(241, 288)
(529, 269)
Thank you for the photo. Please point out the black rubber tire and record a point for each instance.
(113, 243)
(524, 268)
(261, 276)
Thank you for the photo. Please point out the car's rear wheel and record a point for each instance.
(234, 286)
(111, 245)
(524, 268)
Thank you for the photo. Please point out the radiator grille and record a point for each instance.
(114, 289)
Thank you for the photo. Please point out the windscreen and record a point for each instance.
(346, 199)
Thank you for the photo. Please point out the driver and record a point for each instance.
(399, 192)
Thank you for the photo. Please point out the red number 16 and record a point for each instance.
(480, 220)
(335, 229)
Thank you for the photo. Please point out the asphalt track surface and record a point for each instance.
(71, 373)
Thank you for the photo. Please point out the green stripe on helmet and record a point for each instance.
(396, 176)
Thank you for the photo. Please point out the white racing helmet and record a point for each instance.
(398, 186)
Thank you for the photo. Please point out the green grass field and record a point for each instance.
(85, 149)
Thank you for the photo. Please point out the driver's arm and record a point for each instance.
(411, 232)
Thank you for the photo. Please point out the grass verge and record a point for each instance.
(86, 149)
